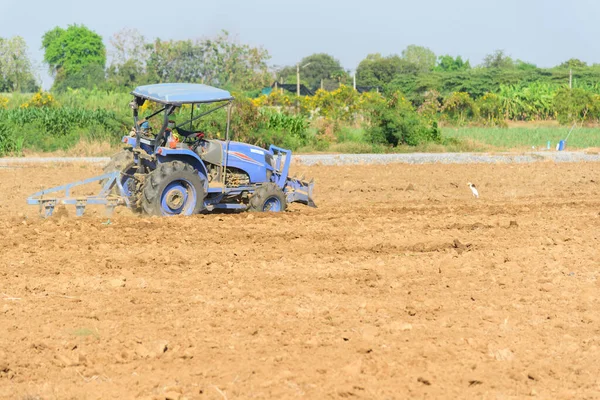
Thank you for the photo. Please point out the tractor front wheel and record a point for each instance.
(173, 188)
(268, 197)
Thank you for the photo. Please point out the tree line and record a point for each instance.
(16, 70)
(77, 57)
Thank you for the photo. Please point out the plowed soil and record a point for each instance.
(401, 284)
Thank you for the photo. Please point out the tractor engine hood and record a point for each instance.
(243, 152)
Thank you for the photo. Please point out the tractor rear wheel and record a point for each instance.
(268, 197)
(173, 188)
(118, 162)
(124, 162)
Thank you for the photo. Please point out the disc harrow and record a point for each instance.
(48, 199)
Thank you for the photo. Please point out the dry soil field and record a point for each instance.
(399, 285)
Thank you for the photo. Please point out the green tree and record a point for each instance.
(319, 67)
(376, 70)
(175, 61)
(125, 76)
(524, 65)
(573, 63)
(236, 65)
(16, 71)
(219, 61)
(422, 58)
(72, 53)
(129, 55)
(498, 60)
(90, 76)
(447, 63)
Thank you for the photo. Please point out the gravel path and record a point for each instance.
(445, 158)
(349, 159)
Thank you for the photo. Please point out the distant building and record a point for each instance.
(364, 89)
(290, 87)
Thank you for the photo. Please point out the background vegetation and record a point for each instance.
(411, 100)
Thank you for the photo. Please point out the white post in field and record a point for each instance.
(298, 80)
(570, 79)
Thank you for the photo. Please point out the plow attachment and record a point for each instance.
(48, 199)
(296, 189)
(300, 191)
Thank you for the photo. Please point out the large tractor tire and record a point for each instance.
(119, 161)
(124, 162)
(268, 198)
(174, 188)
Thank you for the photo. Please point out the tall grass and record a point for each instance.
(51, 129)
(59, 121)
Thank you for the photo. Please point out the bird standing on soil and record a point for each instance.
(474, 190)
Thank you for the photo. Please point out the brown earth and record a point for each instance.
(399, 285)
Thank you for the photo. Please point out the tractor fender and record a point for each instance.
(187, 156)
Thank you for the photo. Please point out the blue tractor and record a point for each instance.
(178, 171)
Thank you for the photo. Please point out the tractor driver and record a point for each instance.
(194, 134)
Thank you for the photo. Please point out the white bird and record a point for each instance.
(474, 190)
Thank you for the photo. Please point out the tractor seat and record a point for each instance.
(211, 151)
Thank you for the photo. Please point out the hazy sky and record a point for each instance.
(545, 32)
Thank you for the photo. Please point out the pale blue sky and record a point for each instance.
(545, 32)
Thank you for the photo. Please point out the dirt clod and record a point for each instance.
(424, 381)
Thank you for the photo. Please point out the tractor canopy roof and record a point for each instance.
(181, 93)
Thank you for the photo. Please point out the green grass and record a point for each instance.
(351, 134)
(352, 140)
(470, 139)
(526, 137)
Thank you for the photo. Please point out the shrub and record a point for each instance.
(459, 107)
(254, 125)
(327, 130)
(39, 100)
(295, 125)
(10, 141)
(576, 104)
(490, 109)
(431, 105)
(277, 98)
(246, 120)
(396, 122)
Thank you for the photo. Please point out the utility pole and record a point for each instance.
(354, 80)
(298, 80)
(570, 78)
(298, 77)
